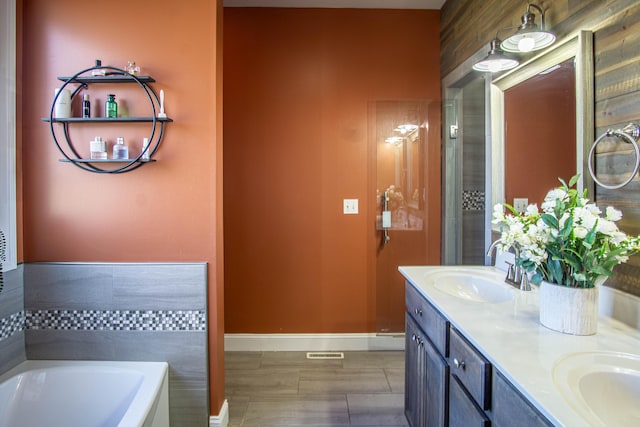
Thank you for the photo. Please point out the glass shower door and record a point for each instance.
(399, 131)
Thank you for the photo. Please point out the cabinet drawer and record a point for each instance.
(462, 411)
(429, 319)
(471, 368)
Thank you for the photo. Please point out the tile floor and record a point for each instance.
(274, 389)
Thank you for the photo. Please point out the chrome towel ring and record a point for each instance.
(629, 134)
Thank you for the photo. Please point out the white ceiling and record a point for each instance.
(358, 4)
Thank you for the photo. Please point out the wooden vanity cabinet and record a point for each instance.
(426, 370)
(448, 382)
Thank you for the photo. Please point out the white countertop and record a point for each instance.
(511, 337)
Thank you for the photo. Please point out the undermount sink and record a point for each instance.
(472, 284)
(605, 386)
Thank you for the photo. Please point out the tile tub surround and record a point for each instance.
(124, 311)
(366, 388)
(12, 320)
(509, 334)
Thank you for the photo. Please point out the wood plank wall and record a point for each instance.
(467, 26)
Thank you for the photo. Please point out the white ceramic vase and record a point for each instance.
(569, 310)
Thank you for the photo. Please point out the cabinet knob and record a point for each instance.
(418, 311)
(458, 363)
(416, 339)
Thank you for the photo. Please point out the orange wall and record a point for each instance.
(297, 87)
(166, 211)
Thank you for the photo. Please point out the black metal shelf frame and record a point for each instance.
(113, 75)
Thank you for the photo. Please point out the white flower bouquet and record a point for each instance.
(569, 243)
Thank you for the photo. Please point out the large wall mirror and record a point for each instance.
(542, 122)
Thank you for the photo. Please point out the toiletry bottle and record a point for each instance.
(111, 107)
(86, 107)
(62, 108)
(120, 150)
(98, 149)
(146, 150)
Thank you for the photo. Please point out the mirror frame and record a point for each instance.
(580, 46)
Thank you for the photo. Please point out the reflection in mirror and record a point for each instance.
(535, 141)
(401, 143)
(540, 133)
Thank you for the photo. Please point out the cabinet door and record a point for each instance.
(510, 408)
(414, 372)
(437, 378)
(463, 412)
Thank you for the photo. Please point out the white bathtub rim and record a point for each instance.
(145, 399)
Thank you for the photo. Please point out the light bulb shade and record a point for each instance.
(529, 36)
(394, 140)
(527, 41)
(496, 60)
(406, 128)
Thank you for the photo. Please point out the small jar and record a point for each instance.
(111, 107)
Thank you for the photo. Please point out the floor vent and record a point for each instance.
(326, 355)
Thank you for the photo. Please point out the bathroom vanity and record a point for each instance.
(476, 355)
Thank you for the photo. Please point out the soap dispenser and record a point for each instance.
(120, 150)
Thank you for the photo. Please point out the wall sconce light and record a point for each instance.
(496, 60)
(529, 36)
(406, 128)
(394, 140)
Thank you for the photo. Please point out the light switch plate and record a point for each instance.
(520, 204)
(350, 206)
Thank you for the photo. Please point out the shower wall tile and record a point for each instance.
(473, 240)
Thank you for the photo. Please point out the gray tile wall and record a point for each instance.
(11, 320)
(103, 311)
(473, 173)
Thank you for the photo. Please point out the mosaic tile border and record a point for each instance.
(473, 200)
(104, 320)
(12, 324)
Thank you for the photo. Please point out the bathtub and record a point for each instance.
(56, 393)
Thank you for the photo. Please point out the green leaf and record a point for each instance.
(564, 184)
(550, 220)
(555, 271)
(536, 279)
(568, 227)
(574, 180)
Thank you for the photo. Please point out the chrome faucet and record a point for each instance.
(491, 249)
(516, 276)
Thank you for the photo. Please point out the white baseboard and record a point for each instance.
(313, 342)
(222, 419)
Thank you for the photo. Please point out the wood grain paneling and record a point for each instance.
(468, 26)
